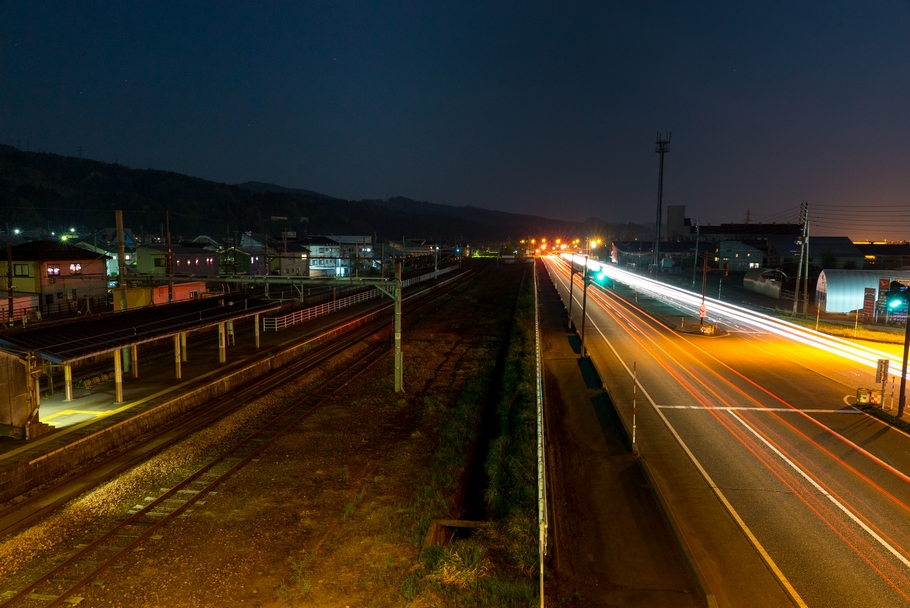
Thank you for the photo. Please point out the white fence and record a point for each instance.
(276, 323)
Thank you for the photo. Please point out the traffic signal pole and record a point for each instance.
(903, 396)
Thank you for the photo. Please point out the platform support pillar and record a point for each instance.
(68, 380)
(177, 356)
(256, 329)
(183, 346)
(222, 354)
(118, 376)
(134, 356)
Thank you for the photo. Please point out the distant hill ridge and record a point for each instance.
(39, 190)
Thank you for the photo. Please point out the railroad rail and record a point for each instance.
(61, 583)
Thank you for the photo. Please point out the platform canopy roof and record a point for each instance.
(70, 341)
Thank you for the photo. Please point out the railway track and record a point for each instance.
(83, 565)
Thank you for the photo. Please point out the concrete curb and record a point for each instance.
(697, 574)
(662, 503)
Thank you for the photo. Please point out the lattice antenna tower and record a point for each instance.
(662, 147)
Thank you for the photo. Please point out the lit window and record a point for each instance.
(53, 270)
(20, 270)
(76, 268)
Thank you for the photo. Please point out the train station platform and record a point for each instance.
(95, 421)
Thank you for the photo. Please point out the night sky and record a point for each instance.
(550, 109)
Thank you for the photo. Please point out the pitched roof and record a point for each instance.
(40, 251)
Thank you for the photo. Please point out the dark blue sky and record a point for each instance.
(543, 108)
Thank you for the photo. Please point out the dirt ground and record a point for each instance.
(322, 518)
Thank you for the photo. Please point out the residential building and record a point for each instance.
(737, 257)
(190, 259)
(61, 275)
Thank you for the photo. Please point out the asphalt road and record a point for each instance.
(799, 498)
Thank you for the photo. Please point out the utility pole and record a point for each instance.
(806, 271)
(663, 146)
(169, 260)
(9, 278)
(695, 263)
(121, 259)
(803, 218)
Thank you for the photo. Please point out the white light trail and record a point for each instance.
(733, 315)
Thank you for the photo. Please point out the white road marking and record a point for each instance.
(900, 556)
(849, 410)
(717, 491)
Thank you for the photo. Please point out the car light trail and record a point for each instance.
(813, 483)
(736, 315)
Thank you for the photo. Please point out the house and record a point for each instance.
(190, 259)
(324, 256)
(105, 242)
(244, 260)
(357, 253)
(60, 274)
(295, 261)
(674, 256)
(737, 257)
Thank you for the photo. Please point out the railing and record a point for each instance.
(542, 515)
(57, 310)
(283, 322)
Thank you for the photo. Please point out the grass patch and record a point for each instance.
(498, 564)
(888, 335)
(350, 507)
(299, 585)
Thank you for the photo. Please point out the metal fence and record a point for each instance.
(542, 515)
(306, 314)
(57, 310)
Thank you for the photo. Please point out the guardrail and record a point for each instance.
(542, 514)
(299, 316)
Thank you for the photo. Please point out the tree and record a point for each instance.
(829, 260)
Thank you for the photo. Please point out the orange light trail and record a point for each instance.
(858, 543)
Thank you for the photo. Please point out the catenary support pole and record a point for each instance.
(399, 363)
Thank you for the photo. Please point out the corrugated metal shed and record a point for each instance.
(842, 291)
